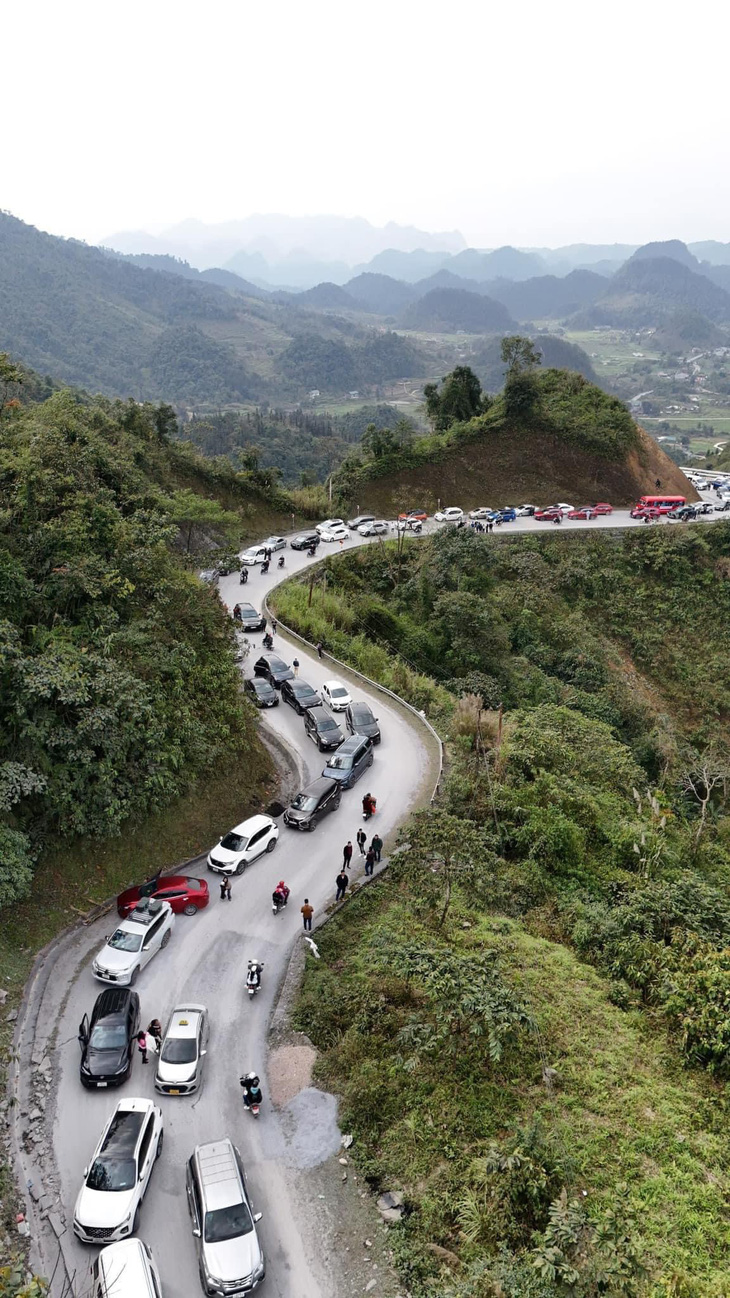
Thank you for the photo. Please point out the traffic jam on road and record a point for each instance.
(345, 733)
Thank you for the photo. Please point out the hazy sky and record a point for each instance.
(530, 123)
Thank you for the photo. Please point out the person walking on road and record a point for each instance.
(341, 881)
(225, 889)
(307, 913)
(347, 855)
(376, 843)
(295, 667)
(362, 839)
(274, 625)
(369, 860)
(142, 1045)
(154, 1029)
(319, 648)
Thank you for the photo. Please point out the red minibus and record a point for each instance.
(662, 503)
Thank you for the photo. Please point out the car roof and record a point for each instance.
(272, 658)
(318, 786)
(221, 1180)
(298, 686)
(128, 1258)
(258, 683)
(112, 1001)
(250, 826)
(352, 742)
(319, 713)
(328, 685)
(246, 605)
(142, 918)
(184, 1020)
(360, 703)
(125, 1125)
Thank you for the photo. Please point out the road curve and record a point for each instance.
(206, 960)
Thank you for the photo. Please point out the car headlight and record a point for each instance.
(259, 1270)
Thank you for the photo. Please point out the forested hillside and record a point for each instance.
(119, 683)
(527, 1018)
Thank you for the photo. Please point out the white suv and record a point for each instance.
(243, 844)
(140, 936)
(116, 1181)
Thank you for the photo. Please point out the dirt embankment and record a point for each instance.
(499, 470)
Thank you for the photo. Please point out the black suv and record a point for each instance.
(360, 721)
(350, 761)
(300, 696)
(309, 806)
(251, 620)
(685, 513)
(263, 694)
(322, 728)
(273, 669)
(305, 541)
(107, 1042)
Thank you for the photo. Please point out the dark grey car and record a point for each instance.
(251, 619)
(273, 669)
(307, 809)
(350, 761)
(360, 721)
(322, 728)
(300, 696)
(263, 694)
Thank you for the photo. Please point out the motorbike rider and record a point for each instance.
(252, 1093)
(237, 613)
(281, 561)
(267, 641)
(243, 576)
(280, 895)
(312, 551)
(253, 977)
(368, 805)
(264, 567)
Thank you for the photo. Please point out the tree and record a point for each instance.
(15, 1282)
(459, 399)
(706, 776)
(439, 851)
(199, 518)
(378, 442)
(10, 376)
(519, 355)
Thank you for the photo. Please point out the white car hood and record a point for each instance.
(117, 961)
(223, 856)
(172, 1073)
(233, 1259)
(104, 1207)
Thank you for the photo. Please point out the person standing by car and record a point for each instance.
(295, 668)
(341, 881)
(274, 625)
(362, 839)
(369, 860)
(225, 888)
(142, 1045)
(307, 913)
(376, 844)
(347, 855)
(154, 1029)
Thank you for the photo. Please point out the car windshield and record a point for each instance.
(179, 1050)
(340, 763)
(328, 723)
(112, 1174)
(233, 842)
(250, 613)
(260, 687)
(362, 715)
(123, 941)
(339, 693)
(304, 802)
(108, 1036)
(227, 1223)
(194, 883)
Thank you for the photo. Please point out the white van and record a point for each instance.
(125, 1270)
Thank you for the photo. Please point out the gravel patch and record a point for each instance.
(290, 1071)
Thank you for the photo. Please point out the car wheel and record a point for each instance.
(166, 938)
(271, 845)
(135, 1223)
(190, 909)
(372, 759)
(159, 1144)
(135, 976)
(240, 867)
(313, 824)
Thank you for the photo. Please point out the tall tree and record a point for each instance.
(460, 398)
(440, 851)
(519, 354)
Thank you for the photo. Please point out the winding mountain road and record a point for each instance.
(206, 961)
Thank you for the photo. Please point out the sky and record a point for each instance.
(535, 124)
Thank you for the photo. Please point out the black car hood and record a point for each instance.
(104, 1063)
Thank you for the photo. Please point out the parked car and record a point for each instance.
(304, 541)
(602, 507)
(125, 1270)
(334, 693)
(564, 509)
(349, 761)
(322, 729)
(525, 511)
(482, 512)
(251, 619)
(413, 515)
(263, 694)
(376, 527)
(273, 669)
(186, 895)
(647, 511)
(116, 1180)
(133, 944)
(107, 1040)
(300, 696)
(585, 512)
(243, 844)
(184, 1047)
(255, 554)
(450, 515)
(409, 525)
(209, 576)
(338, 532)
(683, 512)
(548, 515)
(723, 505)
(356, 523)
(702, 507)
(230, 1258)
(508, 515)
(328, 523)
(360, 721)
(308, 807)
(274, 543)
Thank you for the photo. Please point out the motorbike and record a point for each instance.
(252, 1095)
(277, 905)
(368, 809)
(281, 561)
(253, 977)
(312, 551)
(243, 576)
(267, 642)
(558, 518)
(264, 567)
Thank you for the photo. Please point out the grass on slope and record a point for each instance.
(622, 1108)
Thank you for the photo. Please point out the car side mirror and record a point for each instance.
(203, 1052)
(86, 1172)
(196, 1231)
(257, 1216)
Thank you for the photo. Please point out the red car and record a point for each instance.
(548, 515)
(602, 508)
(414, 516)
(186, 895)
(585, 512)
(646, 511)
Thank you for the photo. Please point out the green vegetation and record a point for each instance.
(119, 682)
(534, 1011)
(449, 310)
